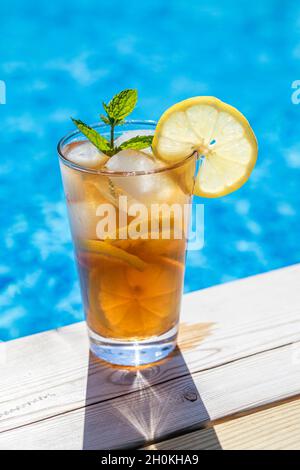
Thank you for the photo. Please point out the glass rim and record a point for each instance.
(107, 172)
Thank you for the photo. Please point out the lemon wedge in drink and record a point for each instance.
(99, 247)
(129, 304)
(219, 133)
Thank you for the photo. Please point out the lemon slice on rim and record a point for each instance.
(217, 132)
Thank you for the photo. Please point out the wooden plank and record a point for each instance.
(47, 374)
(152, 414)
(277, 428)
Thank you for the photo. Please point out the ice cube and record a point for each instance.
(83, 213)
(146, 189)
(83, 219)
(86, 155)
(131, 160)
(72, 183)
(148, 151)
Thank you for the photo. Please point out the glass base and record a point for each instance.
(125, 353)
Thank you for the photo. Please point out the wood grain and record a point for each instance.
(49, 373)
(151, 414)
(232, 357)
(277, 428)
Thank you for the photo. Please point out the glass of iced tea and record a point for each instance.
(129, 217)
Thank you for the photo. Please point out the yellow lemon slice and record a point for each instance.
(217, 132)
(129, 304)
(99, 247)
(163, 228)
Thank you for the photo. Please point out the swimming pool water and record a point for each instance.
(63, 58)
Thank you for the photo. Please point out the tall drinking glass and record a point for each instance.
(129, 230)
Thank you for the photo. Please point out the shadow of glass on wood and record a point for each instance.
(205, 439)
(148, 404)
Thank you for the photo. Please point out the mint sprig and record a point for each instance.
(118, 108)
(97, 139)
(121, 105)
(137, 143)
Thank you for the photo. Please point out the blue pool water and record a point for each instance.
(62, 58)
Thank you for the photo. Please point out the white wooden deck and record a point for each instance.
(239, 355)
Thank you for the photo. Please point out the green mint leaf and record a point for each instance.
(137, 143)
(104, 119)
(121, 105)
(98, 140)
(105, 107)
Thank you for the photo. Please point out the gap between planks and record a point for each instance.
(206, 424)
(274, 428)
(54, 367)
(157, 413)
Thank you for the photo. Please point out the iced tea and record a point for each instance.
(131, 276)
